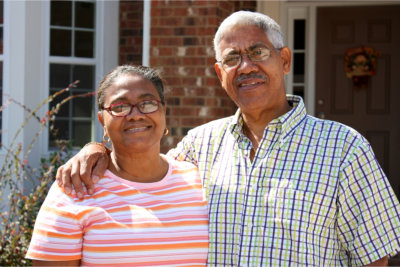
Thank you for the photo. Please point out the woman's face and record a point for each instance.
(136, 131)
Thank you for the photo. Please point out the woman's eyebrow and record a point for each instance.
(123, 99)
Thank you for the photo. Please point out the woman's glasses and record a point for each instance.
(124, 109)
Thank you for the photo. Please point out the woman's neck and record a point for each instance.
(147, 167)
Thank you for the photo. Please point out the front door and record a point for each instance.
(371, 105)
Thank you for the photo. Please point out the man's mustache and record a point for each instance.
(250, 76)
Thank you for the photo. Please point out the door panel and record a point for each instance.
(374, 111)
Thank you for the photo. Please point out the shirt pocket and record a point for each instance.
(297, 211)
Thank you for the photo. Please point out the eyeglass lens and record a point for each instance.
(123, 109)
(257, 54)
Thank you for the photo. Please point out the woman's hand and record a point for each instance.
(85, 167)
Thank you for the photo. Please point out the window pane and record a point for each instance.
(84, 44)
(82, 106)
(299, 34)
(77, 108)
(85, 75)
(61, 13)
(298, 68)
(60, 133)
(63, 111)
(60, 75)
(298, 90)
(60, 42)
(84, 15)
(81, 133)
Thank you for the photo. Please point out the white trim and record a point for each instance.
(146, 33)
(6, 69)
(107, 50)
(106, 47)
(72, 60)
(310, 68)
(13, 68)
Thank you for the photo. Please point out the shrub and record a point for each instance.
(16, 175)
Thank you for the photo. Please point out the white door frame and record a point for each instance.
(291, 10)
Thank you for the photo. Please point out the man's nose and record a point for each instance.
(246, 65)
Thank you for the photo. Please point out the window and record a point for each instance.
(72, 58)
(299, 82)
(299, 47)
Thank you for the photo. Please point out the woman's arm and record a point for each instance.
(56, 263)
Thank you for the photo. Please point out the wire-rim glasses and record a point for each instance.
(124, 109)
(255, 55)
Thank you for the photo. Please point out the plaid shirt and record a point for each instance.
(314, 195)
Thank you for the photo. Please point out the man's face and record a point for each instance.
(253, 85)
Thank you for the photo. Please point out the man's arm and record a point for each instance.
(381, 262)
(85, 167)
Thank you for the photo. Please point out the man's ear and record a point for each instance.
(217, 68)
(286, 56)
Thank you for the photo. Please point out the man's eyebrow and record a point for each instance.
(256, 45)
(250, 48)
(232, 52)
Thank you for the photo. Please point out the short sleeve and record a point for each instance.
(184, 151)
(57, 235)
(369, 211)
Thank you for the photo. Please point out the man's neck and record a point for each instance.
(255, 122)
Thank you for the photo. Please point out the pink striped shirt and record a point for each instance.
(127, 223)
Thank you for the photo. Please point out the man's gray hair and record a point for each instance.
(248, 18)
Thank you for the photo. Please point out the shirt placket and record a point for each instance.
(250, 247)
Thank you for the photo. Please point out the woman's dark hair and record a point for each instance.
(146, 72)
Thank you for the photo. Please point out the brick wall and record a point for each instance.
(130, 32)
(181, 48)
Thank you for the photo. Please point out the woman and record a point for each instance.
(147, 209)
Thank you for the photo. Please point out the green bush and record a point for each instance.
(16, 224)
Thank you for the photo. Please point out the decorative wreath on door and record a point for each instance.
(359, 64)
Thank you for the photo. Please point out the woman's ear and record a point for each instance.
(100, 117)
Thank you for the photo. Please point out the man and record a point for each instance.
(283, 188)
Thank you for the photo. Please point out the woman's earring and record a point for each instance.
(106, 139)
(166, 131)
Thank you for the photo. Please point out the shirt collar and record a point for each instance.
(288, 121)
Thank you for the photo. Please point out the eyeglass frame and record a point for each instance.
(247, 54)
(132, 106)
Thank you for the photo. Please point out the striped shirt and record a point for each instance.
(314, 194)
(126, 223)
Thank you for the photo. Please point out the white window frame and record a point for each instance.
(105, 56)
(26, 65)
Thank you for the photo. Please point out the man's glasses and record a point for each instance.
(124, 109)
(256, 55)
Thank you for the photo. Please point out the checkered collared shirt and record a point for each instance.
(313, 196)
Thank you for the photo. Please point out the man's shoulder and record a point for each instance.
(218, 125)
(325, 125)
(180, 165)
(334, 130)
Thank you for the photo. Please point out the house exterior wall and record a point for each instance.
(130, 32)
(181, 48)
